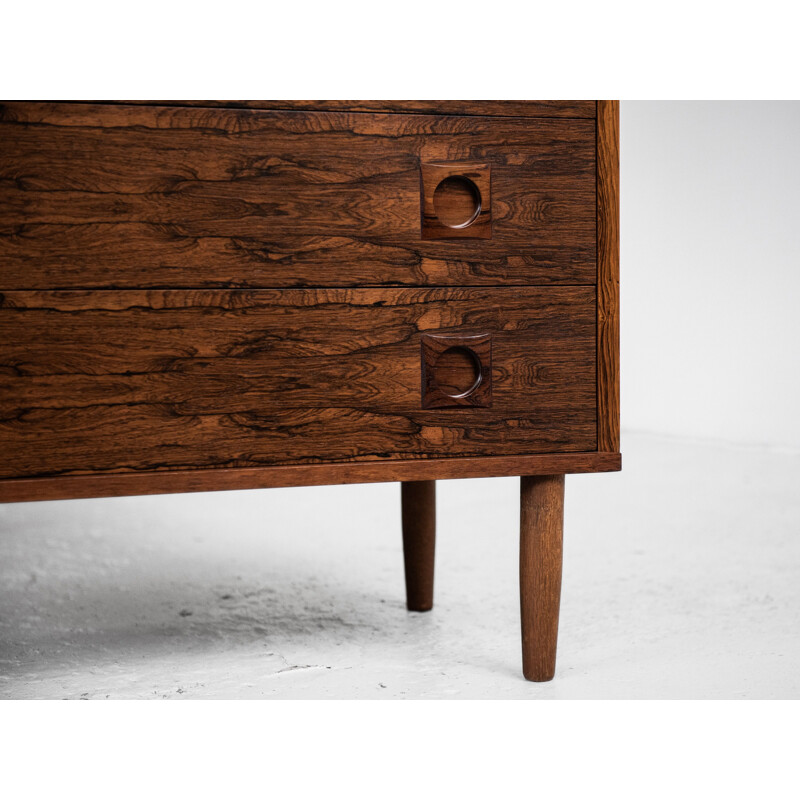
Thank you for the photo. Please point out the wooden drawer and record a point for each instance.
(99, 196)
(126, 381)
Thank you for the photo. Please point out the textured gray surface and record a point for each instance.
(681, 581)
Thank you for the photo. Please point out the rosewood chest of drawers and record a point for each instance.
(206, 296)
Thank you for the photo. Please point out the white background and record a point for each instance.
(710, 270)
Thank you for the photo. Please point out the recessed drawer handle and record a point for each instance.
(456, 201)
(456, 370)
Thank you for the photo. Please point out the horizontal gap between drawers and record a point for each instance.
(288, 109)
(351, 287)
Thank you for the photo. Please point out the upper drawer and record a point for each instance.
(95, 196)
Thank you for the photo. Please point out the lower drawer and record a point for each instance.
(130, 381)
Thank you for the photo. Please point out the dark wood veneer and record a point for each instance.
(131, 381)
(187, 197)
(608, 275)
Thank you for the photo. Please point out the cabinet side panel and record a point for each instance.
(608, 275)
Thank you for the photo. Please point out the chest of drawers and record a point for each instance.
(208, 296)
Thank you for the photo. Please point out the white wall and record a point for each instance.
(710, 269)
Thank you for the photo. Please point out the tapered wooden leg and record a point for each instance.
(418, 499)
(540, 553)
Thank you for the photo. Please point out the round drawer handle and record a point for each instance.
(457, 201)
(456, 370)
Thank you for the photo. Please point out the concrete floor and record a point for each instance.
(681, 580)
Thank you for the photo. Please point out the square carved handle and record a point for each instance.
(456, 370)
(456, 201)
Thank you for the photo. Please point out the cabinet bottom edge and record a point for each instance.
(14, 490)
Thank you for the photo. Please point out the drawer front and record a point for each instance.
(125, 381)
(95, 196)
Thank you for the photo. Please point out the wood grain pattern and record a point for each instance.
(133, 380)
(540, 559)
(571, 109)
(18, 490)
(101, 196)
(608, 409)
(418, 505)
